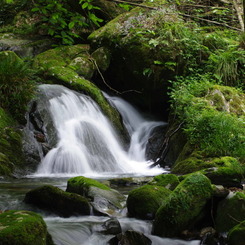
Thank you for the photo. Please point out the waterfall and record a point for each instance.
(87, 143)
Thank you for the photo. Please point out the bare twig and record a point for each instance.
(210, 21)
(104, 81)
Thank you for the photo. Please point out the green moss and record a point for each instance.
(169, 181)
(22, 228)
(230, 212)
(144, 201)
(80, 185)
(183, 207)
(236, 235)
(66, 204)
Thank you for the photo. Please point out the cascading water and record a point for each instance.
(87, 142)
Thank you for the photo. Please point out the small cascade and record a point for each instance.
(87, 143)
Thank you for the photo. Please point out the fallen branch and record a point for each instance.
(164, 150)
(104, 81)
(211, 21)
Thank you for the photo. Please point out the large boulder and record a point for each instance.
(133, 38)
(23, 228)
(65, 204)
(130, 237)
(71, 66)
(230, 212)
(183, 207)
(103, 199)
(236, 235)
(144, 201)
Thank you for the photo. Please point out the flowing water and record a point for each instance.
(87, 145)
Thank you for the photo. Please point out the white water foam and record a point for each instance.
(88, 145)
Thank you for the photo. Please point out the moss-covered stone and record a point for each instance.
(11, 155)
(81, 185)
(65, 204)
(61, 65)
(23, 228)
(103, 199)
(183, 207)
(144, 201)
(236, 235)
(169, 181)
(132, 38)
(230, 212)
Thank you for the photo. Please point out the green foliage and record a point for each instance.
(16, 85)
(215, 132)
(9, 8)
(228, 65)
(61, 21)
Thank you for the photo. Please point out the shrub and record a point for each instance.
(214, 132)
(16, 85)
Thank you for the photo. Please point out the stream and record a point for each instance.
(87, 145)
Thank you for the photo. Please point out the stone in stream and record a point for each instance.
(184, 207)
(103, 199)
(111, 226)
(130, 238)
(55, 200)
(22, 227)
(144, 201)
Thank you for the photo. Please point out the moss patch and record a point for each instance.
(23, 228)
(81, 185)
(183, 207)
(169, 181)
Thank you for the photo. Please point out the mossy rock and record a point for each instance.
(183, 207)
(230, 212)
(11, 155)
(65, 204)
(224, 98)
(129, 38)
(144, 201)
(169, 181)
(23, 228)
(103, 199)
(236, 235)
(59, 65)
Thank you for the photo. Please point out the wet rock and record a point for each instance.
(130, 238)
(58, 201)
(184, 207)
(23, 228)
(144, 201)
(230, 211)
(65, 64)
(132, 181)
(220, 191)
(111, 226)
(103, 199)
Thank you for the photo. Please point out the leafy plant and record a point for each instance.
(228, 65)
(61, 21)
(214, 132)
(16, 85)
